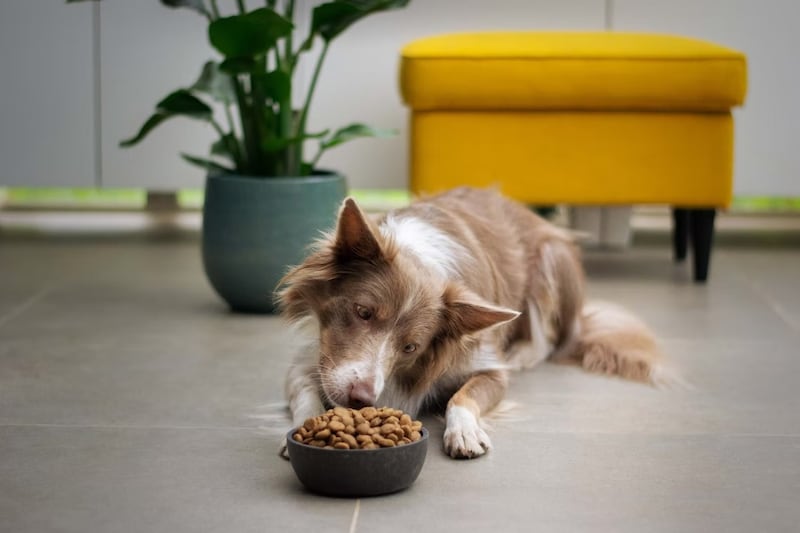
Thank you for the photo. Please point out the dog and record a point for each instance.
(431, 306)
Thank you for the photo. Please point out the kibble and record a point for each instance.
(364, 429)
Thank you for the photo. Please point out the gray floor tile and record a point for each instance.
(172, 480)
(152, 370)
(600, 482)
(733, 387)
(15, 300)
(775, 275)
(728, 306)
(131, 400)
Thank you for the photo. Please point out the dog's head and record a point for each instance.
(381, 314)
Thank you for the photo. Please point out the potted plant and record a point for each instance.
(266, 200)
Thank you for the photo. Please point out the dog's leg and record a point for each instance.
(303, 395)
(556, 294)
(463, 436)
(303, 390)
(528, 353)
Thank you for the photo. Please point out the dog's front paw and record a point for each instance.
(283, 451)
(463, 436)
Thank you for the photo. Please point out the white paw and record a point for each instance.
(463, 436)
(283, 452)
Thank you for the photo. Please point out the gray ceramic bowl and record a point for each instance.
(355, 473)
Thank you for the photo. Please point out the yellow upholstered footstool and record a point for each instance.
(579, 118)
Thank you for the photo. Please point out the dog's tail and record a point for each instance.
(610, 340)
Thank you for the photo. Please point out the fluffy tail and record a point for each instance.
(610, 340)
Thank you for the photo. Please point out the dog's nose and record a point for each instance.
(362, 394)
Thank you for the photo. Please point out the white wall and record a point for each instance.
(46, 95)
(146, 51)
(768, 127)
(360, 78)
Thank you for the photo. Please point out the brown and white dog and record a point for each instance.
(432, 305)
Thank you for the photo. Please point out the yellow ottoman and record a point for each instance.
(580, 118)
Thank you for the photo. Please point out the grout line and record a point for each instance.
(98, 95)
(354, 521)
(776, 307)
(662, 434)
(130, 426)
(783, 315)
(609, 15)
(21, 308)
(357, 509)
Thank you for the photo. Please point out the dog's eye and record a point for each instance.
(410, 348)
(363, 313)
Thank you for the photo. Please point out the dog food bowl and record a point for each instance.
(356, 473)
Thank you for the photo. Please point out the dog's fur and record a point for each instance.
(433, 304)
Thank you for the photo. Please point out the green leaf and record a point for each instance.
(206, 163)
(354, 131)
(157, 118)
(197, 5)
(220, 147)
(276, 84)
(176, 104)
(307, 44)
(224, 146)
(215, 83)
(238, 65)
(276, 144)
(250, 34)
(317, 135)
(332, 18)
(182, 102)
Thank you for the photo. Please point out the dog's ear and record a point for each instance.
(355, 238)
(466, 312)
(302, 289)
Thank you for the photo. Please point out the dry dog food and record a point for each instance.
(363, 429)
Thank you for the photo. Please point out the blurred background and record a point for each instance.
(78, 78)
(131, 399)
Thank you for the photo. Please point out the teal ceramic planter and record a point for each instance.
(255, 228)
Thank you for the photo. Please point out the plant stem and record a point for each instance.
(235, 154)
(304, 47)
(285, 131)
(229, 118)
(301, 123)
(218, 128)
(249, 135)
(316, 157)
(260, 162)
(214, 9)
(242, 8)
(285, 126)
(289, 15)
(236, 151)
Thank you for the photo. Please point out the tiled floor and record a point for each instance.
(131, 401)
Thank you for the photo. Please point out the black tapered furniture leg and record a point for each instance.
(680, 233)
(701, 222)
